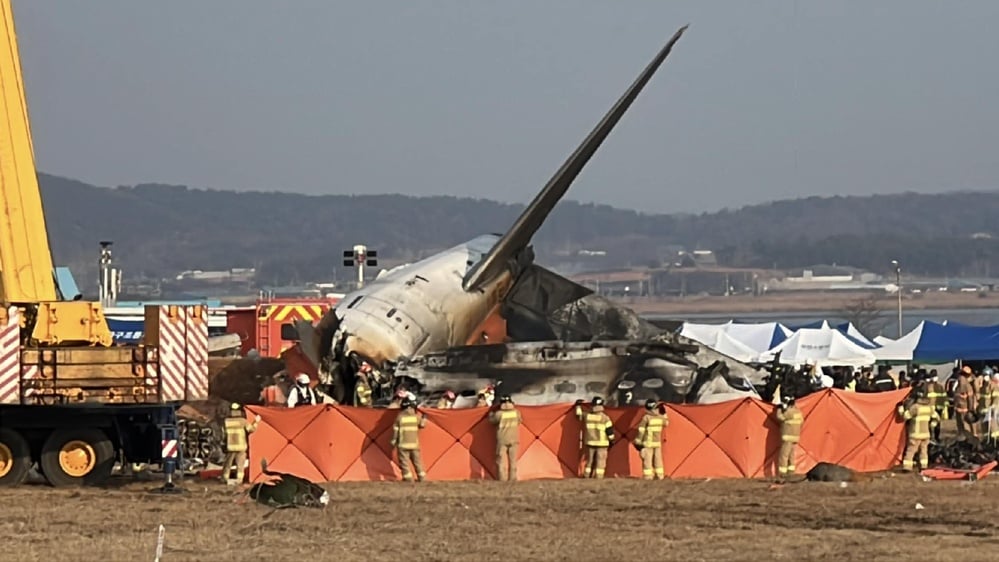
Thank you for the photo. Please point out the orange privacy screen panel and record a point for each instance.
(736, 439)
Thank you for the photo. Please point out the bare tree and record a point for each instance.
(865, 313)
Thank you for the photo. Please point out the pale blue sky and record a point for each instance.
(760, 100)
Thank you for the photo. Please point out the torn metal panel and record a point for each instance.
(554, 371)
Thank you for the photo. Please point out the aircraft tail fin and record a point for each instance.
(520, 234)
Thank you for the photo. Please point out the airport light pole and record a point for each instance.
(359, 257)
(898, 290)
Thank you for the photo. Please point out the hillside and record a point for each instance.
(159, 230)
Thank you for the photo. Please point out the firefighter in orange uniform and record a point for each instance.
(273, 395)
(649, 441)
(507, 420)
(597, 437)
(790, 419)
(965, 403)
(406, 440)
(236, 430)
(922, 417)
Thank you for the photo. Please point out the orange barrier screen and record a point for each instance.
(736, 439)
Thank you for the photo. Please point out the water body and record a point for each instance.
(888, 319)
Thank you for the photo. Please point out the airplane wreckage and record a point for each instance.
(484, 313)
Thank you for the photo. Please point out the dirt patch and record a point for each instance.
(543, 520)
(241, 380)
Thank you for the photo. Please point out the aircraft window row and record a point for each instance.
(565, 387)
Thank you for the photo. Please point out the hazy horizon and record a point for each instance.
(769, 101)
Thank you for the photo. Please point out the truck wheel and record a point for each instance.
(75, 457)
(15, 458)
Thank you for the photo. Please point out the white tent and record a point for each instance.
(854, 333)
(900, 349)
(756, 337)
(727, 345)
(823, 347)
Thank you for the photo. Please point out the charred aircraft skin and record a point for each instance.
(414, 322)
(535, 373)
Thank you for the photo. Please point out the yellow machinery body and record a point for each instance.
(26, 273)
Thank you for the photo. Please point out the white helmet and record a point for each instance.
(302, 378)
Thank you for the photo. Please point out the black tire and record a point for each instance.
(20, 457)
(98, 441)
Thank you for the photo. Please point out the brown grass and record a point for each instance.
(545, 520)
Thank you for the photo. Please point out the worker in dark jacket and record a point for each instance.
(236, 431)
(790, 419)
(883, 382)
(302, 394)
(507, 420)
(922, 417)
(649, 441)
(406, 440)
(598, 433)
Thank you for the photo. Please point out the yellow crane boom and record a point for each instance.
(26, 273)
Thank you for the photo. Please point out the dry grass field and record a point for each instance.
(545, 520)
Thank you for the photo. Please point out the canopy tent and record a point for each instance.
(854, 334)
(823, 347)
(942, 343)
(931, 342)
(846, 328)
(898, 350)
(727, 345)
(757, 337)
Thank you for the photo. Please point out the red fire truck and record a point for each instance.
(268, 327)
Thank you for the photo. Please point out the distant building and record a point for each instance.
(697, 258)
(237, 275)
(825, 278)
(618, 283)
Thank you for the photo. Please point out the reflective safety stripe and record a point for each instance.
(235, 432)
(650, 433)
(507, 420)
(790, 438)
(408, 426)
(595, 430)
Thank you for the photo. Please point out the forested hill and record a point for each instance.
(160, 230)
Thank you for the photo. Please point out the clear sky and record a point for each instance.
(760, 100)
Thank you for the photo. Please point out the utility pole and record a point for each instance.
(359, 257)
(109, 277)
(898, 289)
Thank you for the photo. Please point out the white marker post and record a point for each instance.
(159, 544)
